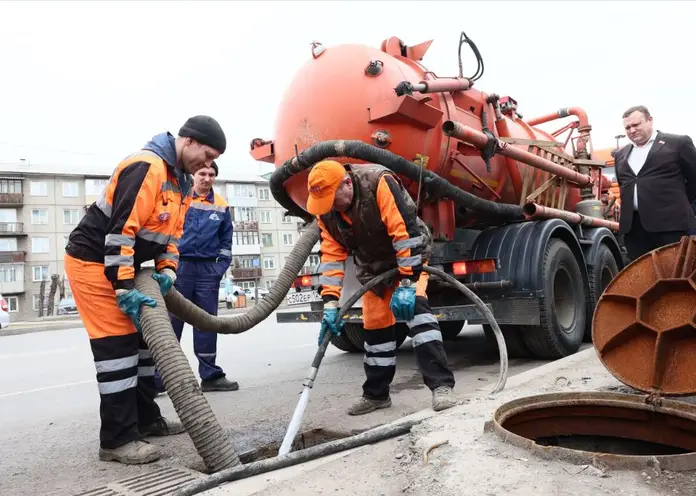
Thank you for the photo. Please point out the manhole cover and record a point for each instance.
(156, 483)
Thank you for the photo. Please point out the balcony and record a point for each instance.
(11, 257)
(245, 273)
(245, 225)
(11, 287)
(12, 199)
(12, 229)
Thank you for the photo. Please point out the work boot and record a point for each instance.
(219, 384)
(443, 399)
(162, 427)
(133, 453)
(366, 405)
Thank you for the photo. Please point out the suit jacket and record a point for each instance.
(666, 185)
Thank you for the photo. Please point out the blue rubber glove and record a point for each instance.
(129, 302)
(165, 278)
(328, 321)
(403, 302)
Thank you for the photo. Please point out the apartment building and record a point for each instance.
(39, 207)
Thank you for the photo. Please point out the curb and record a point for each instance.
(254, 484)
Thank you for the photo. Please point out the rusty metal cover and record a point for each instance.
(644, 325)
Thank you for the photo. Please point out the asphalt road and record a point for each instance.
(49, 405)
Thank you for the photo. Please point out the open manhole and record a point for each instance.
(303, 440)
(644, 332)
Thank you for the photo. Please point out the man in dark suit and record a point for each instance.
(657, 177)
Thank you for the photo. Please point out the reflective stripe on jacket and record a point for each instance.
(207, 229)
(139, 217)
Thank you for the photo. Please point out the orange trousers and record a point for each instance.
(376, 311)
(125, 369)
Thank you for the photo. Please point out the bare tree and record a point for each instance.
(52, 293)
(42, 294)
(61, 288)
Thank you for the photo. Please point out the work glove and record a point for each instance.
(328, 321)
(165, 278)
(129, 302)
(403, 301)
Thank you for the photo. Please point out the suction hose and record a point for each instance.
(368, 437)
(192, 314)
(210, 440)
(432, 183)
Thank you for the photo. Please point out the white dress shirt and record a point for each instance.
(636, 160)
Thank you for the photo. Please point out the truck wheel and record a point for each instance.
(450, 329)
(343, 343)
(603, 269)
(562, 309)
(513, 340)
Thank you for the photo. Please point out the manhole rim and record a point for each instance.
(678, 462)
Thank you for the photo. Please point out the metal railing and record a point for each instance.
(246, 225)
(11, 257)
(246, 273)
(11, 199)
(11, 228)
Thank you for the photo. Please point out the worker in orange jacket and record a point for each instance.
(139, 217)
(365, 209)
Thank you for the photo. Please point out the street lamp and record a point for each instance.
(618, 137)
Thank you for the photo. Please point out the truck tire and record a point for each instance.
(516, 348)
(355, 333)
(450, 329)
(600, 273)
(562, 309)
(343, 343)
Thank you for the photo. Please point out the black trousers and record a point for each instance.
(380, 354)
(125, 376)
(638, 241)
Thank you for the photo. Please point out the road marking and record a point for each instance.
(16, 393)
(38, 353)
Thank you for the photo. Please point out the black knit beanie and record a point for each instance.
(215, 168)
(205, 130)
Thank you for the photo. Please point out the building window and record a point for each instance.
(244, 190)
(40, 273)
(287, 239)
(269, 284)
(312, 261)
(35, 303)
(264, 194)
(39, 216)
(12, 304)
(265, 216)
(38, 188)
(95, 187)
(244, 238)
(70, 190)
(269, 262)
(40, 245)
(8, 244)
(248, 285)
(10, 186)
(286, 219)
(242, 214)
(65, 241)
(267, 239)
(71, 216)
(9, 273)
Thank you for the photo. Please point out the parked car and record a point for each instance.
(251, 293)
(67, 306)
(4, 313)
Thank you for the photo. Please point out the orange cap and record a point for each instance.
(324, 179)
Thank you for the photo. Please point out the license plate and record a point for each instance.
(303, 297)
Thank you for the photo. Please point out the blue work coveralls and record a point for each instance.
(205, 254)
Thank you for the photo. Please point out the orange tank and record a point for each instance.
(347, 92)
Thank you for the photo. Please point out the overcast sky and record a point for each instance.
(85, 83)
